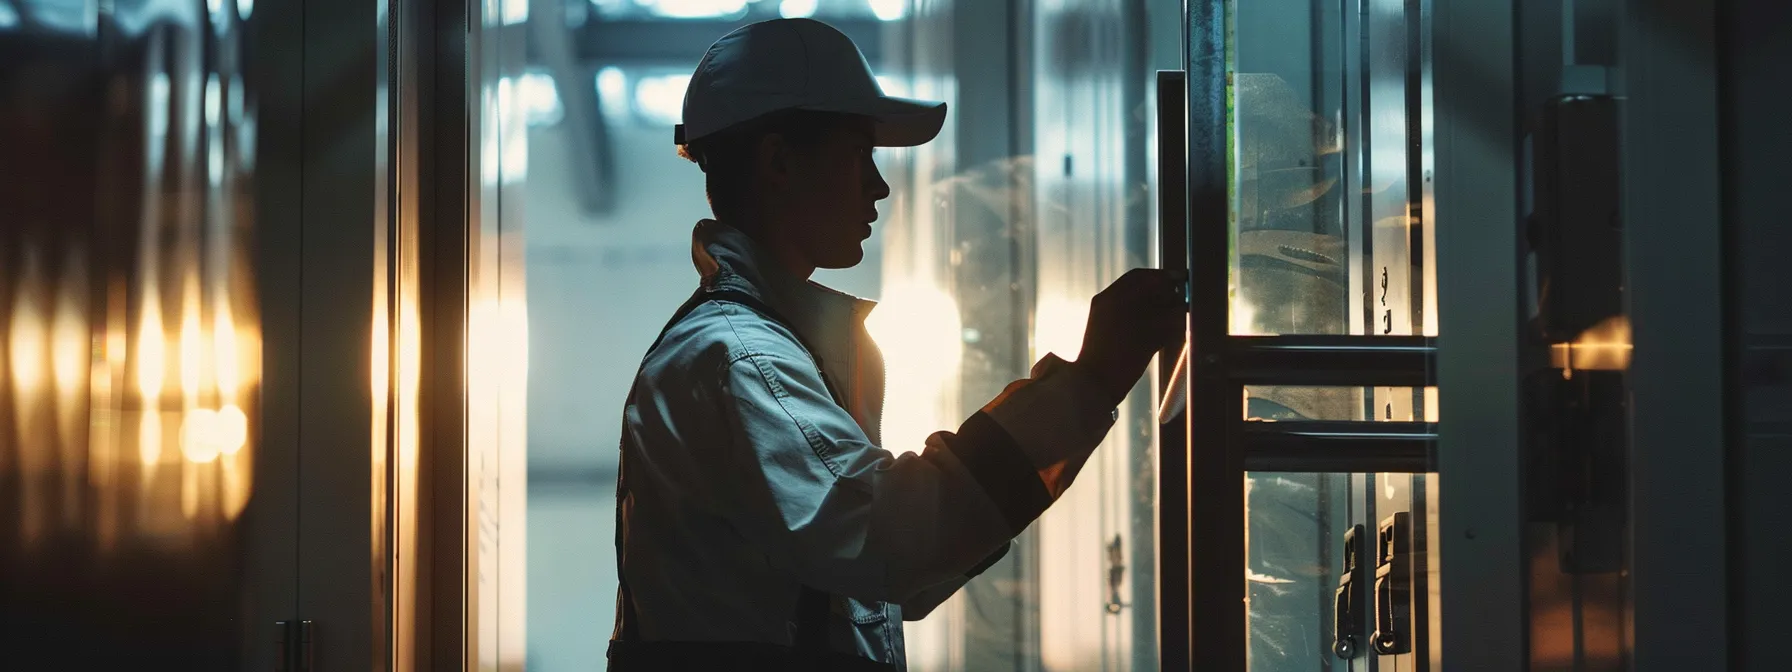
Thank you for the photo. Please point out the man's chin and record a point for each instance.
(844, 259)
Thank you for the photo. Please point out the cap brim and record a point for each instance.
(899, 122)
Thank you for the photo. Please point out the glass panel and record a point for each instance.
(1331, 169)
(1035, 194)
(1297, 530)
(503, 101)
(131, 437)
(1284, 403)
(1294, 537)
(1331, 236)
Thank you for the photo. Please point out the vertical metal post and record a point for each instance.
(341, 252)
(1476, 133)
(443, 640)
(272, 542)
(1674, 256)
(1172, 439)
(1216, 465)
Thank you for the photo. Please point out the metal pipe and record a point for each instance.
(1173, 628)
(1347, 447)
(1353, 361)
(1218, 637)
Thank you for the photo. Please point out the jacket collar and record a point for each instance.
(727, 257)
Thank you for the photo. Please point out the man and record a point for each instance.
(760, 524)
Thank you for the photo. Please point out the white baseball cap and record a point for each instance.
(797, 64)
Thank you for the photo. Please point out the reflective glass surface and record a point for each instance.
(1332, 235)
(130, 336)
(1304, 532)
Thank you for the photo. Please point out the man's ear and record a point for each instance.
(773, 159)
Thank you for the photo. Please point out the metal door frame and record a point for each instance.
(1219, 365)
(364, 208)
(1475, 451)
(342, 158)
(1481, 563)
(1673, 210)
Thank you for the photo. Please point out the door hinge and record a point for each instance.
(296, 643)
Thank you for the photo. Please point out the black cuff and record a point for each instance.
(997, 463)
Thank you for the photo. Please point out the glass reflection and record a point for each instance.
(1330, 236)
(129, 385)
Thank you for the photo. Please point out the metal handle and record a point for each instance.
(1393, 586)
(1174, 388)
(1174, 630)
(283, 637)
(1172, 197)
(1349, 361)
(307, 646)
(1345, 447)
(294, 643)
(1347, 604)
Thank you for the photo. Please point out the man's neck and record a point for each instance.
(782, 251)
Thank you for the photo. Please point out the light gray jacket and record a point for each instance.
(745, 480)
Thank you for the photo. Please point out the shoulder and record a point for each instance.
(720, 334)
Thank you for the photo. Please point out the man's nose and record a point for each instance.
(880, 189)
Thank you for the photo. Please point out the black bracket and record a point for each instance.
(295, 642)
(1393, 586)
(1348, 602)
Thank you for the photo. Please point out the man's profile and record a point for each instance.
(761, 522)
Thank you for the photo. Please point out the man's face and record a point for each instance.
(831, 193)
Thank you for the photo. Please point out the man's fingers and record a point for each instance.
(1147, 285)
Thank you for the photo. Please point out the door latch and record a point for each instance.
(1116, 574)
(1347, 603)
(1393, 586)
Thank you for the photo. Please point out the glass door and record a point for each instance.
(1311, 404)
(147, 474)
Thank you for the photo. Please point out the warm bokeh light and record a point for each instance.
(203, 435)
(410, 361)
(26, 343)
(918, 329)
(1058, 326)
(1244, 316)
(129, 336)
(235, 476)
(1603, 347)
(380, 361)
(224, 351)
(513, 313)
(149, 440)
(69, 344)
(151, 350)
(233, 429)
(192, 354)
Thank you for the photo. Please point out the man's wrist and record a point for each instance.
(1100, 384)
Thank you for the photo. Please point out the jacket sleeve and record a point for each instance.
(805, 485)
(923, 603)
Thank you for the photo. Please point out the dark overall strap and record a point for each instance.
(813, 607)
